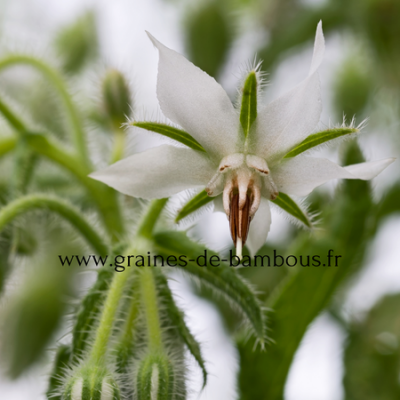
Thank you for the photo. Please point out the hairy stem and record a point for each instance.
(65, 210)
(110, 308)
(149, 298)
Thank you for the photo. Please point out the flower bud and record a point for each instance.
(91, 383)
(155, 378)
(32, 315)
(116, 98)
(77, 43)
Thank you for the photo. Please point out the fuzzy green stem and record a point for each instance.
(118, 284)
(149, 220)
(110, 308)
(149, 297)
(7, 144)
(32, 202)
(57, 81)
(10, 116)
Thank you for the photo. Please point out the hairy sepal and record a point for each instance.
(195, 203)
(223, 279)
(291, 207)
(171, 132)
(248, 109)
(319, 138)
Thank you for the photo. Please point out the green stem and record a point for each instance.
(150, 218)
(119, 145)
(10, 116)
(31, 202)
(110, 308)
(116, 292)
(149, 297)
(57, 81)
(7, 144)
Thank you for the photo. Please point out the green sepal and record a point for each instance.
(319, 138)
(177, 318)
(224, 279)
(171, 132)
(291, 207)
(196, 202)
(248, 109)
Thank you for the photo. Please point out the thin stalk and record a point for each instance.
(150, 218)
(119, 145)
(13, 120)
(57, 81)
(149, 298)
(116, 291)
(69, 213)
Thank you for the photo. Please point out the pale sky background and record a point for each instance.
(317, 371)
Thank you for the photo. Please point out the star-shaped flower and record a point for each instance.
(244, 157)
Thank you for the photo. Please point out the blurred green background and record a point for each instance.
(94, 44)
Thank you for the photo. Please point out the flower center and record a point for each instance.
(242, 177)
(241, 199)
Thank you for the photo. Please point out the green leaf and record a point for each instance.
(291, 207)
(171, 132)
(199, 200)
(223, 278)
(372, 354)
(176, 317)
(248, 110)
(318, 138)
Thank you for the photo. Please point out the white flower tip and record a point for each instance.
(153, 40)
(319, 49)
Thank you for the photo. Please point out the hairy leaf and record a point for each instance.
(223, 278)
(176, 317)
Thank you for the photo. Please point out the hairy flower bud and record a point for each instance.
(155, 378)
(77, 44)
(116, 97)
(91, 383)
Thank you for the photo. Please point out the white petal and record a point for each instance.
(319, 49)
(301, 175)
(158, 172)
(369, 169)
(195, 101)
(259, 227)
(291, 118)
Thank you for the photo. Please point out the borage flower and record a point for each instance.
(244, 157)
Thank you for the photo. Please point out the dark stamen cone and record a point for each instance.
(239, 220)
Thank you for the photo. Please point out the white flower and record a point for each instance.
(244, 150)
